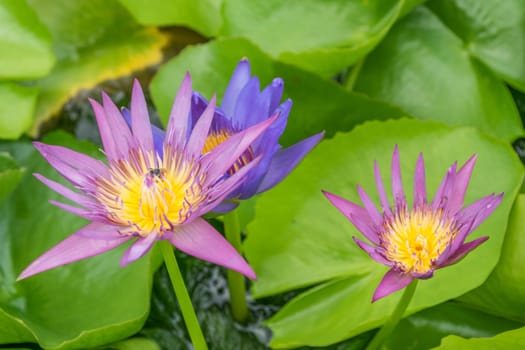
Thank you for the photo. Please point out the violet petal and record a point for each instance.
(394, 280)
(73, 248)
(201, 240)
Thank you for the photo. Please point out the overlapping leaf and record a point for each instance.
(503, 293)
(426, 69)
(299, 239)
(320, 36)
(17, 105)
(514, 339)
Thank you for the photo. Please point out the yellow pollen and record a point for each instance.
(415, 240)
(146, 194)
(214, 139)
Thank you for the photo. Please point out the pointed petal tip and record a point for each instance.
(277, 82)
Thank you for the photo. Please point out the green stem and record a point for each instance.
(236, 282)
(396, 316)
(188, 313)
(352, 77)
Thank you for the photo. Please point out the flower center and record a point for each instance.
(214, 139)
(415, 240)
(146, 194)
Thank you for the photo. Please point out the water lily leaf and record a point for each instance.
(91, 46)
(17, 105)
(10, 175)
(492, 31)
(318, 104)
(298, 239)
(514, 339)
(423, 67)
(80, 305)
(204, 16)
(320, 36)
(25, 42)
(503, 293)
(428, 327)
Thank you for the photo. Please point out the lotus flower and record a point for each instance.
(144, 194)
(415, 242)
(243, 106)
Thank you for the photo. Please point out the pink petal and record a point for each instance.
(224, 155)
(460, 185)
(372, 251)
(397, 183)
(393, 281)
(140, 123)
(201, 130)
(201, 240)
(357, 216)
(75, 247)
(445, 189)
(106, 134)
(463, 250)
(221, 190)
(76, 197)
(385, 205)
(77, 168)
(120, 131)
(370, 207)
(138, 249)
(420, 191)
(177, 130)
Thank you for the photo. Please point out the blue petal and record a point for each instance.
(239, 79)
(286, 160)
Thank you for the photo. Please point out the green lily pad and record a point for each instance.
(426, 328)
(92, 46)
(299, 239)
(424, 68)
(318, 104)
(320, 36)
(514, 339)
(25, 42)
(204, 16)
(492, 31)
(80, 305)
(503, 293)
(17, 105)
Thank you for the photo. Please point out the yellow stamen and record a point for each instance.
(415, 240)
(214, 139)
(146, 194)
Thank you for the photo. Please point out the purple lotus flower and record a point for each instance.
(144, 195)
(243, 106)
(414, 243)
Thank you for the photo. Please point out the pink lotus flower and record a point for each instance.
(415, 242)
(144, 195)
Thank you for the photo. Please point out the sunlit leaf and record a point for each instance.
(25, 43)
(318, 104)
(80, 305)
(298, 239)
(17, 105)
(316, 35)
(204, 16)
(424, 68)
(514, 339)
(92, 45)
